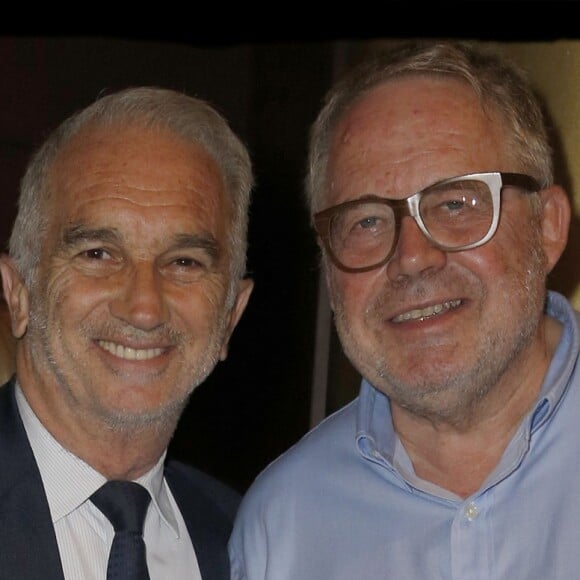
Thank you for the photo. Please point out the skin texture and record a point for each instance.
(129, 314)
(461, 380)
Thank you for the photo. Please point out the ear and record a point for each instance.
(327, 277)
(16, 295)
(325, 274)
(244, 290)
(556, 214)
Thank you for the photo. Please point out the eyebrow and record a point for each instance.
(79, 234)
(205, 241)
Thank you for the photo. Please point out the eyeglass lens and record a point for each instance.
(452, 215)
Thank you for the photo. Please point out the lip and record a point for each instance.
(130, 353)
(427, 312)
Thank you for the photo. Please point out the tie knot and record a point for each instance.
(124, 503)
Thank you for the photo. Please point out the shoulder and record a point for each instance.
(208, 507)
(284, 501)
(299, 471)
(192, 486)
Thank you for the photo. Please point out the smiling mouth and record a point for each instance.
(429, 312)
(128, 353)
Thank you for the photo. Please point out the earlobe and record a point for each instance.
(556, 213)
(16, 295)
(244, 291)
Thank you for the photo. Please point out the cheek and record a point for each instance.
(47, 296)
(510, 254)
(199, 307)
(354, 293)
(68, 296)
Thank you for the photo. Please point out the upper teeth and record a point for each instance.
(422, 313)
(129, 353)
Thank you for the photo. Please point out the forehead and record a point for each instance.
(128, 169)
(410, 132)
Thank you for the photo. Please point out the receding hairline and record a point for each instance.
(87, 135)
(91, 139)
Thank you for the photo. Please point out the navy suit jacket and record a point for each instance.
(28, 546)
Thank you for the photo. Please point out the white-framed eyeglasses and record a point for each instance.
(459, 213)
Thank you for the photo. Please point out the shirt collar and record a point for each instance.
(562, 365)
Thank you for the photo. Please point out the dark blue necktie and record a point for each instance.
(125, 504)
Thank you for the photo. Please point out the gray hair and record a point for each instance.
(499, 84)
(188, 117)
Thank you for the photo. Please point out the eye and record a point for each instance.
(185, 262)
(186, 269)
(96, 254)
(368, 222)
(365, 222)
(454, 204)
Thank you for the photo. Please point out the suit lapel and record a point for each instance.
(28, 546)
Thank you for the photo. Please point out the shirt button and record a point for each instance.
(471, 512)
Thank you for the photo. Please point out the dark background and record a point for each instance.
(269, 83)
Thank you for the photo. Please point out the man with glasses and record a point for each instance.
(431, 191)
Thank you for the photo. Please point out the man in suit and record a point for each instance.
(124, 280)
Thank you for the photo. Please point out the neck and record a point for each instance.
(125, 451)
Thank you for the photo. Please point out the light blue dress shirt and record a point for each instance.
(344, 504)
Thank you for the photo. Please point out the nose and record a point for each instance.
(414, 254)
(140, 300)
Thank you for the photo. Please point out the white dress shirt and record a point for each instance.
(83, 533)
